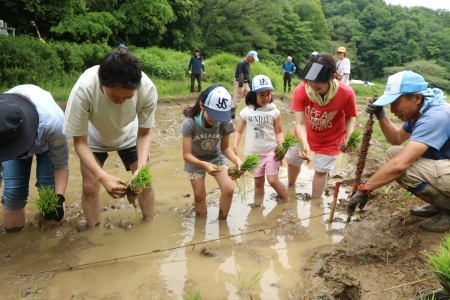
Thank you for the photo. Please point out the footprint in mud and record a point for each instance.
(109, 225)
(303, 196)
(128, 226)
(256, 205)
(209, 252)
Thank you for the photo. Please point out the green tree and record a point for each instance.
(311, 11)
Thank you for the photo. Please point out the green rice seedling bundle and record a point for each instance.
(354, 141)
(218, 166)
(143, 180)
(440, 262)
(302, 147)
(250, 163)
(289, 141)
(46, 203)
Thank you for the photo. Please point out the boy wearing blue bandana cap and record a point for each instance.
(423, 165)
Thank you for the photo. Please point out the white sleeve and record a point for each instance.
(346, 66)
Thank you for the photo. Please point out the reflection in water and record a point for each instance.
(277, 253)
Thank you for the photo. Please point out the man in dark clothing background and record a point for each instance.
(241, 80)
(195, 68)
(35, 30)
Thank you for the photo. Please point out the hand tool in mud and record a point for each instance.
(363, 153)
(333, 205)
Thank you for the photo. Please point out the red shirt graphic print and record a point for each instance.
(325, 125)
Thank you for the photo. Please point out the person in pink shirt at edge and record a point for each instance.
(325, 116)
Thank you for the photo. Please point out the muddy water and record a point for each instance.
(212, 268)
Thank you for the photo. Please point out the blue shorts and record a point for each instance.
(16, 175)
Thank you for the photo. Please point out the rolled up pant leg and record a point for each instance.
(236, 97)
(16, 174)
(433, 172)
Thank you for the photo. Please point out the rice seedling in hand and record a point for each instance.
(218, 166)
(353, 142)
(440, 262)
(289, 141)
(47, 204)
(142, 180)
(302, 147)
(250, 163)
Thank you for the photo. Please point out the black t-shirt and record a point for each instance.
(35, 31)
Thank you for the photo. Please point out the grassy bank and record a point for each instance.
(167, 68)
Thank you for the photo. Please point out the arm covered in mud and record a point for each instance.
(228, 152)
(114, 186)
(300, 128)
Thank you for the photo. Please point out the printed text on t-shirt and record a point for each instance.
(319, 120)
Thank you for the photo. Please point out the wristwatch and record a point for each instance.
(362, 187)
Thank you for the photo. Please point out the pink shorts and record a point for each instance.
(267, 166)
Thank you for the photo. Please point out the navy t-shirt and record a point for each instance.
(432, 129)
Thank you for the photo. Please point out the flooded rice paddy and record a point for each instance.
(126, 258)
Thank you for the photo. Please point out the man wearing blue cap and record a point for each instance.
(422, 166)
(241, 80)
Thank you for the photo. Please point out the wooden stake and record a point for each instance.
(333, 205)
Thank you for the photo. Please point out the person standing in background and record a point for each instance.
(343, 66)
(288, 69)
(195, 68)
(123, 48)
(35, 30)
(241, 80)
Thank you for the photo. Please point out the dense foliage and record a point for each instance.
(377, 35)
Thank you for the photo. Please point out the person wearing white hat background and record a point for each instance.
(206, 137)
(123, 48)
(31, 125)
(242, 79)
(422, 166)
(343, 66)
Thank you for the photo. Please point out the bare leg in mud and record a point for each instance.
(319, 184)
(14, 219)
(146, 199)
(90, 199)
(226, 186)
(226, 189)
(293, 172)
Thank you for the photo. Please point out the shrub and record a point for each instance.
(27, 60)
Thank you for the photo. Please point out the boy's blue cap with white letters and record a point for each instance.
(217, 102)
(122, 46)
(253, 54)
(405, 82)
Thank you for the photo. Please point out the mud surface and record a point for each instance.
(296, 251)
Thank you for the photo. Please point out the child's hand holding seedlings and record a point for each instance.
(212, 169)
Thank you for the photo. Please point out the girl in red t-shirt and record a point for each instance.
(325, 115)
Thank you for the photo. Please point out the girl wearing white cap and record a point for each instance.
(206, 133)
(264, 133)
